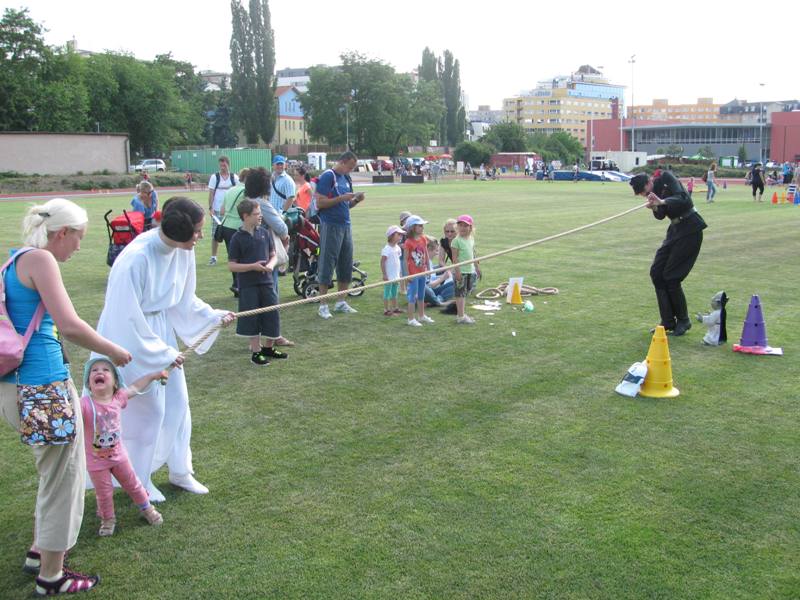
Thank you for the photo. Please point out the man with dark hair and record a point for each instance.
(219, 183)
(335, 198)
(673, 261)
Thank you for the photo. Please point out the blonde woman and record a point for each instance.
(54, 230)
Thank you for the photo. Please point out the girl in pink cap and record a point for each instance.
(463, 248)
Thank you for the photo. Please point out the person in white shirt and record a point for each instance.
(218, 184)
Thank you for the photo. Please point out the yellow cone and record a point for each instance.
(783, 197)
(516, 297)
(658, 382)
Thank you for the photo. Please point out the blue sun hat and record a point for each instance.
(87, 369)
(278, 159)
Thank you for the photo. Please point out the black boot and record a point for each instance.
(665, 309)
(683, 322)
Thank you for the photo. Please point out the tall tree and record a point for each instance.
(191, 91)
(451, 86)
(506, 137)
(22, 57)
(222, 135)
(429, 69)
(253, 63)
(264, 58)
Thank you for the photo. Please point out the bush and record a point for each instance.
(474, 153)
(167, 179)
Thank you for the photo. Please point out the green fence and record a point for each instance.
(204, 160)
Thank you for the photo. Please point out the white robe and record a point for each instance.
(150, 302)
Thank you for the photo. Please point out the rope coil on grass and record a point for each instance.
(257, 311)
(526, 290)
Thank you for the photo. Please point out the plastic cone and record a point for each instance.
(516, 297)
(797, 197)
(774, 197)
(783, 197)
(754, 331)
(658, 382)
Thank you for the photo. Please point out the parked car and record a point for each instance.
(150, 165)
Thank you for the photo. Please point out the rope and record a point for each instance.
(330, 295)
(526, 290)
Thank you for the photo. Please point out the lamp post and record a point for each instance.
(347, 121)
(761, 131)
(632, 62)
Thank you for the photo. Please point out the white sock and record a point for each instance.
(52, 579)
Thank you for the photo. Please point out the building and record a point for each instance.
(290, 127)
(215, 80)
(485, 114)
(742, 111)
(298, 78)
(566, 103)
(704, 111)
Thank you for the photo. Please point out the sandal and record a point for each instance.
(33, 562)
(388, 313)
(152, 516)
(107, 527)
(69, 583)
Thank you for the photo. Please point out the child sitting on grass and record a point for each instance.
(105, 452)
(463, 248)
(390, 268)
(252, 256)
(415, 252)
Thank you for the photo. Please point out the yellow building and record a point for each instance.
(704, 111)
(565, 104)
(291, 127)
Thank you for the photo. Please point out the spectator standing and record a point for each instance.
(282, 192)
(712, 186)
(335, 198)
(304, 190)
(230, 221)
(219, 183)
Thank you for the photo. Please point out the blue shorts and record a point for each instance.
(335, 250)
(416, 290)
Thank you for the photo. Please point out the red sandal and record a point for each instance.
(69, 583)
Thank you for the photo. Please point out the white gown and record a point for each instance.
(150, 302)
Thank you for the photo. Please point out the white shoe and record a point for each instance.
(414, 323)
(188, 483)
(212, 261)
(155, 494)
(426, 319)
(324, 311)
(465, 320)
(344, 307)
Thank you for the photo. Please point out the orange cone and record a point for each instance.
(774, 197)
(658, 382)
(516, 296)
(783, 197)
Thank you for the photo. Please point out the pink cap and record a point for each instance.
(465, 219)
(392, 230)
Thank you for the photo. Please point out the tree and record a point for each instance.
(253, 63)
(454, 122)
(222, 135)
(742, 154)
(430, 68)
(558, 146)
(706, 152)
(506, 137)
(474, 153)
(193, 99)
(22, 56)
(674, 151)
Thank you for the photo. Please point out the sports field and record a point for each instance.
(449, 461)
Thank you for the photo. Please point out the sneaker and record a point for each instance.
(258, 359)
(188, 483)
(152, 516)
(272, 353)
(212, 262)
(344, 307)
(465, 320)
(69, 583)
(426, 319)
(414, 323)
(235, 291)
(324, 311)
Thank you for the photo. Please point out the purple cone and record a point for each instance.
(754, 332)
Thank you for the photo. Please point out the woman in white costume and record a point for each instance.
(150, 302)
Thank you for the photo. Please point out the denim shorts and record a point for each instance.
(335, 250)
(416, 290)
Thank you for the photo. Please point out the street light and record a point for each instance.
(347, 121)
(632, 62)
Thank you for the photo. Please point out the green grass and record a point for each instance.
(383, 461)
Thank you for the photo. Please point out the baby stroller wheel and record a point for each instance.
(356, 287)
(299, 283)
(311, 290)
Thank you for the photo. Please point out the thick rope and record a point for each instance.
(526, 290)
(330, 295)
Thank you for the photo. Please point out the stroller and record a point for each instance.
(304, 256)
(121, 231)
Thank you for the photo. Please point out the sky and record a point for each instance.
(683, 51)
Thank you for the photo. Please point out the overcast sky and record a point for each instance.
(684, 51)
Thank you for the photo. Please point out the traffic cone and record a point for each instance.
(797, 198)
(754, 331)
(658, 382)
(774, 197)
(783, 197)
(516, 296)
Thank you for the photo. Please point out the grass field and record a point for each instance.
(384, 461)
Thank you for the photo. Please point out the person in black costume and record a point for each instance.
(667, 198)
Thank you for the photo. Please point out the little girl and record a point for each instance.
(105, 453)
(415, 251)
(463, 248)
(390, 267)
(690, 186)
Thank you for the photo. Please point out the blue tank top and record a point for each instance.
(43, 361)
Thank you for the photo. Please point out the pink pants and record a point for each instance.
(104, 489)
